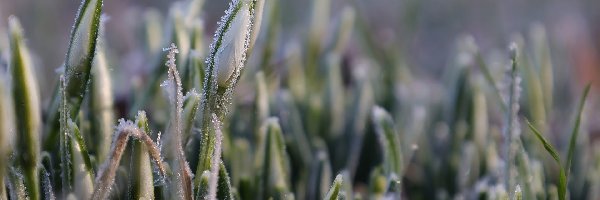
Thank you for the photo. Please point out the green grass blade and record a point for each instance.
(575, 131)
(203, 190)
(224, 65)
(549, 148)
(389, 141)
(101, 103)
(224, 191)
(82, 177)
(272, 162)
(27, 108)
(78, 65)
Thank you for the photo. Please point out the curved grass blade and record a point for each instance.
(575, 132)
(27, 108)
(389, 141)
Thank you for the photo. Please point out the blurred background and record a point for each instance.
(424, 31)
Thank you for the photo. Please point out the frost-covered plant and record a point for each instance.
(330, 113)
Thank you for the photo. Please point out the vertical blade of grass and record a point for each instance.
(7, 124)
(261, 100)
(343, 31)
(65, 147)
(543, 57)
(334, 192)
(272, 162)
(334, 99)
(16, 185)
(152, 32)
(511, 129)
(224, 64)
(389, 141)
(142, 177)
(82, 167)
(78, 64)
(191, 103)
(320, 176)
(181, 169)
(224, 190)
(203, 190)
(575, 132)
(101, 102)
(27, 108)
(47, 192)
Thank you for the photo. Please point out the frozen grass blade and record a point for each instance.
(78, 65)
(16, 185)
(203, 186)
(226, 59)
(224, 190)
(335, 192)
(142, 176)
(27, 108)
(107, 172)
(511, 129)
(191, 103)
(65, 147)
(215, 158)
(181, 169)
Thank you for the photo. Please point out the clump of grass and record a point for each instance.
(283, 125)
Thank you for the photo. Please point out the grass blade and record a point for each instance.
(335, 191)
(224, 64)
(224, 184)
(78, 65)
(142, 175)
(389, 141)
(82, 177)
(27, 108)
(101, 102)
(575, 131)
(549, 148)
(272, 162)
(7, 123)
